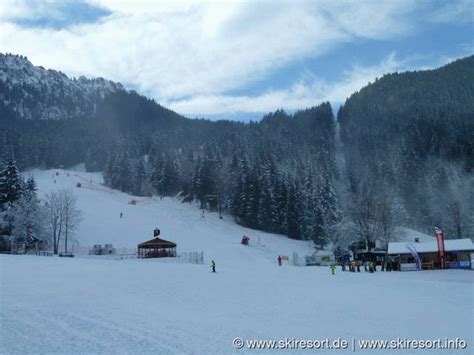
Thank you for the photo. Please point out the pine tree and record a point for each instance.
(252, 198)
(28, 216)
(169, 184)
(139, 178)
(205, 179)
(157, 173)
(294, 212)
(10, 184)
(279, 214)
(265, 203)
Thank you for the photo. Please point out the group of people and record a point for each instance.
(369, 266)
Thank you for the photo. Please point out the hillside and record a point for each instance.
(180, 222)
(410, 137)
(104, 305)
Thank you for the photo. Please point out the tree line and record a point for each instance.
(26, 220)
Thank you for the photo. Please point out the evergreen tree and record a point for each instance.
(294, 212)
(28, 216)
(10, 184)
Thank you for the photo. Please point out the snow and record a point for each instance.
(408, 235)
(432, 247)
(18, 69)
(178, 222)
(94, 305)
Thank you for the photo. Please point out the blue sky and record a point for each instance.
(238, 59)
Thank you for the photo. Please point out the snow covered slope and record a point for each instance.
(178, 222)
(56, 305)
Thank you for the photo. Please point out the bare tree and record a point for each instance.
(71, 215)
(364, 212)
(385, 218)
(63, 214)
(53, 207)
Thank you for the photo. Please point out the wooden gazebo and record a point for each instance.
(156, 248)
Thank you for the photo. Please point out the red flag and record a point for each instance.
(440, 240)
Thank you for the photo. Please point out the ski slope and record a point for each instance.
(53, 305)
(181, 223)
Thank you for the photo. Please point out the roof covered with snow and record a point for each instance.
(431, 247)
(403, 234)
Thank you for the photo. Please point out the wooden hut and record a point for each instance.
(156, 248)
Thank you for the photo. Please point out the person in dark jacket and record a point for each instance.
(279, 260)
(213, 266)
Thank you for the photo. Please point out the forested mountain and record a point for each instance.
(291, 174)
(411, 136)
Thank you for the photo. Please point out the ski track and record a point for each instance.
(51, 305)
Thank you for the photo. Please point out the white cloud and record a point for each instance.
(190, 54)
(306, 93)
(455, 11)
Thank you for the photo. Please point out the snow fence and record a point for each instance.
(192, 257)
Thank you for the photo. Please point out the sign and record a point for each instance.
(440, 240)
(414, 253)
(462, 264)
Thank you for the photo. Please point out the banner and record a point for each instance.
(440, 240)
(415, 255)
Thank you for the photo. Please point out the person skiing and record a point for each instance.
(279, 260)
(213, 266)
(121, 214)
(358, 265)
(333, 269)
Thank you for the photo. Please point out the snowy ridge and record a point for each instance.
(36, 92)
